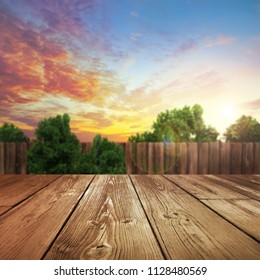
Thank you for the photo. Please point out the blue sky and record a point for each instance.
(114, 65)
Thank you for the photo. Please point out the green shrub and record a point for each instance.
(10, 133)
(104, 158)
(56, 149)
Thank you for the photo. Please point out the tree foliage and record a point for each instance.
(105, 157)
(245, 129)
(179, 125)
(56, 149)
(10, 133)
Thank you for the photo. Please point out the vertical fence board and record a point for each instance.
(159, 158)
(247, 158)
(225, 158)
(151, 158)
(192, 158)
(10, 160)
(21, 162)
(183, 161)
(141, 158)
(214, 158)
(203, 158)
(130, 154)
(256, 169)
(236, 158)
(2, 158)
(170, 158)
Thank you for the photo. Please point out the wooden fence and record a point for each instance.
(159, 158)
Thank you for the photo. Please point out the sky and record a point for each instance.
(113, 66)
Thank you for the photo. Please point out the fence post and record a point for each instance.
(2, 158)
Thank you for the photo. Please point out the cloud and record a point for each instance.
(31, 65)
(134, 14)
(253, 105)
(220, 40)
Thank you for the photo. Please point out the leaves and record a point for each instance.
(11, 133)
(56, 149)
(245, 129)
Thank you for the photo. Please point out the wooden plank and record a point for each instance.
(214, 158)
(193, 158)
(14, 191)
(159, 158)
(247, 158)
(28, 229)
(142, 157)
(244, 182)
(183, 162)
(225, 158)
(236, 158)
(130, 154)
(151, 158)
(203, 158)
(187, 229)
(170, 157)
(2, 158)
(21, 151)
(109, 223)
(3, 209)
(257, 157)
(245, 214)
(242, 187)
(249, 178)
(202, 188)
(10, 158)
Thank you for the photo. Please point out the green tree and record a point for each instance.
(245, 129)
(105, 157)
(10, 133)
(179, 125)
(56, 149)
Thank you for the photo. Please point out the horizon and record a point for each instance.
(113, 66)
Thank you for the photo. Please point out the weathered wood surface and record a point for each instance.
(27, 230)
(111, 224)
(130, 217)
(184, 227)
(20, 187)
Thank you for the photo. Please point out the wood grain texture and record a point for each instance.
(187, 229)
(236, 158)
(142, 157)
(170, 157)
(2, 158)
(242, 187)
(214, 157)
(10, 158)
(203, 188)
(257, 157)
(159, 158)
(22, 186)
(130, 154)
(203, 158)
(193, 158)
(3, 209)
(109, 223)
(247, 158)
(21, 150)
(224, 158)
(150, 158)
(27, 230)
(183, 157)
(245, 214)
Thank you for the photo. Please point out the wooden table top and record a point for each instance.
(129, 217)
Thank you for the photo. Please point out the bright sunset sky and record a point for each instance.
(113, 65)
